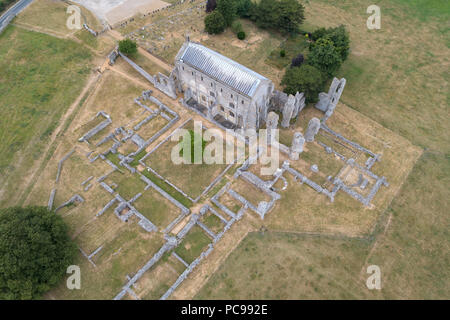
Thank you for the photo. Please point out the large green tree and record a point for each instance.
(339, 36)
(341, 41)
(128, 47)
(291, 15)
(283, 15)
(265, 14)
(228, 9)
(305, 79)
(243, 8)
(35, 251)
(214, 22)
(325, 57)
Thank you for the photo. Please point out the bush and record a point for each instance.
(305, 79)
(241, 35)
(325, 57)
(128, 47)
(297, 61)
(282, 53)
(35, 251)
(214, 23)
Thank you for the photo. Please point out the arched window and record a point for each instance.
(231, 105)
(231, 114)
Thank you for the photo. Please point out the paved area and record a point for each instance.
(6, 18)
(115, 11)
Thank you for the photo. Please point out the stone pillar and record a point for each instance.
(313, 129)
(328, 101)
(297, 146)
(299, 103)
(271, 124)
(288, 111)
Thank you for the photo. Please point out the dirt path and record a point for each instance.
(63, 36)
(40, 165)
(52, 33)
(131, 78)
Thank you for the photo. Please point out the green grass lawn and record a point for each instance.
(156, 208)
(128, 184)
(40, 77)
(193, 244)
(213, 223)
(292, 47)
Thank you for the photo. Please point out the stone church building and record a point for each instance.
(222, 88)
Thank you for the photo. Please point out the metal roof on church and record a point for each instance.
(221, 68)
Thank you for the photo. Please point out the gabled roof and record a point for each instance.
(220, 68)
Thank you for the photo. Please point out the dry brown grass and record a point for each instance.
(303, 209)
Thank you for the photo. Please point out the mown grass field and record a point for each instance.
(398, 77)
(40, 77)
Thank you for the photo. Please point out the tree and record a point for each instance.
(341, 41)
(339, 36)
(325, 57)
(241, 35)
(243, 8)
(128, 47)
(35, 251)
(305, 79)
(283, 15)
(214, 22)
(265, 14)
(290, 15)
(319, 33)
(297, 61)
(211, 5)
(228, 9)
